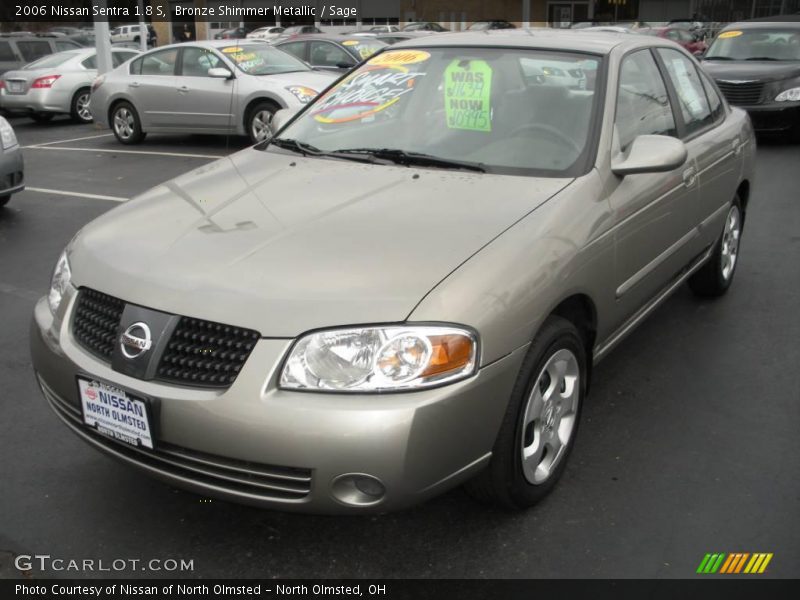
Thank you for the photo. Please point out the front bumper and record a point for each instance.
(775, 117)
(12, 171)
(37, 100)
(227, 444)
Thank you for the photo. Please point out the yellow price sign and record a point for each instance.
(729, 34)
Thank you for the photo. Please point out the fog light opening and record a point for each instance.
(358, 489)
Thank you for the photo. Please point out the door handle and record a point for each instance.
(134, 84)
(183, 89)
(689, 177)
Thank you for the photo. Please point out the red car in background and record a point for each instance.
(681, 36)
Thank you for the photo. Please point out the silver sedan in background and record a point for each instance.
(56, 84)
(218, 87)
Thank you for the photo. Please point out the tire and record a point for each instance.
(714, 278)
(79, 107)
(42, 117)
(4, 200)
(259, 117)
(126, 125)
(543, 414)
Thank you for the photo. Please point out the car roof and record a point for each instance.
(792, 21)
(600, 42)
(334, 37)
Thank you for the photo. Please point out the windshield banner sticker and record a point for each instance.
(366, 93)
(399, 57)
(467, 95)
(729, 34)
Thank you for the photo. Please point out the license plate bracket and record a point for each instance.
(115, 413)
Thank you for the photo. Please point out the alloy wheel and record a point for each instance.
(730, 242)
(550, 416)
(124, 123)
(260, 125)
(82, 106)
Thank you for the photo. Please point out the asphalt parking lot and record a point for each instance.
(688, 442)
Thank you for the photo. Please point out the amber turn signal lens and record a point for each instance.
(449, 353)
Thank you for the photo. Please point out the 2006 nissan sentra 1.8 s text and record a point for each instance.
(405, 288)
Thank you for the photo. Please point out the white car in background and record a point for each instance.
(268, 34)
(60, 83)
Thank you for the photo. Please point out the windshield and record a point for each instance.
(364, 47)
(260, 59)
(503, 110)
(756, 44)
(53, 60)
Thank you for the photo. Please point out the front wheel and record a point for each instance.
(80, 111)
(258, 121)
(541, 421)
(715, 277)
(126, 124)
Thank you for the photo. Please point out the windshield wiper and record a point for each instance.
(309, 150)
(717, 58)
(295, 146)
(761, 58)
(401, 157)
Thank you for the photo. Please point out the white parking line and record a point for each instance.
(88, 137)
(145, 152)
(78, 194)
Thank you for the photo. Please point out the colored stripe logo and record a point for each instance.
(734, 563)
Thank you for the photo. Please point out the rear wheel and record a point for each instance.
(541, 421)
(259, 119)
(80, 111)
(42, 117)
(126, 125)
(715, 277)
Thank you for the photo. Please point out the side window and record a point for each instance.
(714, 101)
(136, 67)
(160, 63)
(6, 53)
(691, 95)
(297, 49)
(91, 62)
(61, 46)
(643, 106)
(118, 58)
(325, 54)
(32, 50)
(197, 62)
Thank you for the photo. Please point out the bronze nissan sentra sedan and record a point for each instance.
(405, 289)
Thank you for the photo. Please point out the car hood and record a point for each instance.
(283, 244)
(755, 70)
(316, 80)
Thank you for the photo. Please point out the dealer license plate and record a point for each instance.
(115, 413)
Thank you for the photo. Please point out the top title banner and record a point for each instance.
(201, 10)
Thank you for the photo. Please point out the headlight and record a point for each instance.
(790, 95)
(58, 285)
(7, 137)
(380, 359)
(303, 94)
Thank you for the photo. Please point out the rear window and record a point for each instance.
(53, 60)
(364, 48)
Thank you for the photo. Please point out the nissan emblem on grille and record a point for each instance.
(136, 340)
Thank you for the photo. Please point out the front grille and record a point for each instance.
(96, 322)
(205, 353)
(198, 353)
(243, 478)
(742, 94)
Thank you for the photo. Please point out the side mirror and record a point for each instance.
(651, 154)
(280, 118)
(345, 65)
(220, 73)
